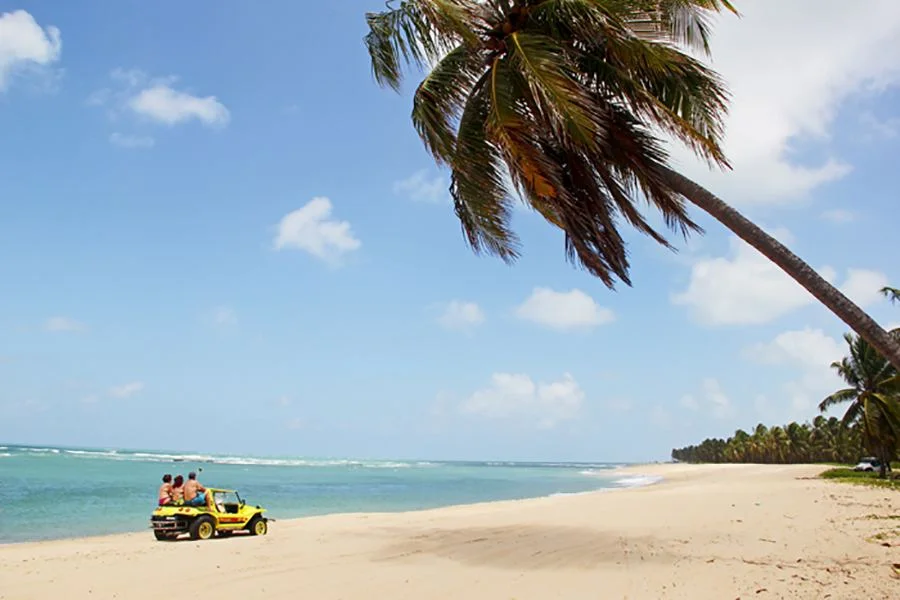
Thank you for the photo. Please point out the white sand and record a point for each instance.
(722, 532)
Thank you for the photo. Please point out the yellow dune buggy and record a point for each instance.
(224, 513)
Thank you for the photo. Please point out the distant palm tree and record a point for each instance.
(873, 395)
(561, 102)
(891, 293)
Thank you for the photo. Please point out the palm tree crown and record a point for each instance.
(872, 391)
(565, 103)
(563, 100)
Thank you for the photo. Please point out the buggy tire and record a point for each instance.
(258, 526)
(203, 528)
(162, 536)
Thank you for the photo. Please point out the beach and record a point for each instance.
(713, 531)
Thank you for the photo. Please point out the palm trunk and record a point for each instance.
(790, 263)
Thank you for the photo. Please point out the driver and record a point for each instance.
(194, 492)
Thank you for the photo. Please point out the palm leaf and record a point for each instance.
(889, 409)
(839, 397)
(560, 101)
(440, 97)
(681, 22)
(417, 31)
(481, 200)
(893, 294)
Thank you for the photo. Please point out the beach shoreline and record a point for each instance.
(703, 531)
(631, 470)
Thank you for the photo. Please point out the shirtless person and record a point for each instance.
(178, 490)
(194, 492)
(165, 490)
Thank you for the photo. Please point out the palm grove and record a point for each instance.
(870, 425)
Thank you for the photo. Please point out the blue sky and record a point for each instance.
(219, 234)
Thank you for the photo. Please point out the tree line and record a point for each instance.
(823, 440)
(870, 424)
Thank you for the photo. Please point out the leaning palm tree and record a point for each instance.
(874, 396)
(563, 103)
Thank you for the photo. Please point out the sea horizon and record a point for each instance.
(118, 486)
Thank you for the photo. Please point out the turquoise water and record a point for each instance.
(49, 493)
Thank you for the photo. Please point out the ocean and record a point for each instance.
(53, 493)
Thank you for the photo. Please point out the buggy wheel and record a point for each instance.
(161, 535)
(258, 526)
(202, 528)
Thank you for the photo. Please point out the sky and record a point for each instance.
(219, 234)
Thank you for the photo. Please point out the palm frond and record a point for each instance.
(670, 89)
(839, 397)
(893, 294)
(889, 409)
(556, 95)
(440, 97)
(681, 22)
(481, 200)
(416, 31)
(853, 415)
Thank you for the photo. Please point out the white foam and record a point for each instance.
(637, 481)
(560, 494)
(3, 454)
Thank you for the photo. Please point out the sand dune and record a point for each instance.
(720, 532)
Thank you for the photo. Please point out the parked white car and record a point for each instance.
(868, 463)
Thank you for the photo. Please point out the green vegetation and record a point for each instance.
(869, 478)
(873, 394)
(822, 441)
(870, 425)
(568, 105)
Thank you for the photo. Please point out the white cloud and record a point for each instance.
(744, 287)
(460, 315)
(165, 105)
(563, 311)
(839, 216)
(311, 229)
(808, 353)
(64, 325)
(419, 187)
(126, 390)
(712, 399)
(807, 348)
(778, 102)
(516, 397)
(24, 45)
(131, 141)
(864, 286)
(295, 424)
(135, 94)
